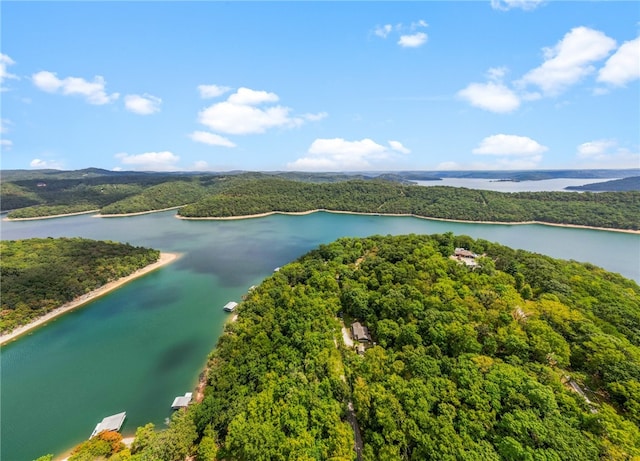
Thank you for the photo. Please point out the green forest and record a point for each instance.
(247, 193)
(513, 356)
(41, 274)
(619, 210)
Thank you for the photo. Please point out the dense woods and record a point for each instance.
(518, 357)
(39, 275)
(619, 210)
(241, 194)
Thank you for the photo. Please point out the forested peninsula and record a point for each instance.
(470, 351)
(607, 210)
(42, 274)
(249, 193)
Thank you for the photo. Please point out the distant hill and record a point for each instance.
(616, 185)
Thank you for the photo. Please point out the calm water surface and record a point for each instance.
(137, 348)
(556, 184)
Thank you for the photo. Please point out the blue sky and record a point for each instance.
(320, 86)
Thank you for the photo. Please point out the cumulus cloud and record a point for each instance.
(45, 164)
(413, 40)
(211, 139)
(5, 61)
(607, 153)
(249, 97)
(143, 105)
(505, 5)
(93, 92)
(338, 154)
(398, 147)
(509, 145)
(5, 144)
(491, 96)
(212, 91)
(200, 165)
(150, 161)
(569, 60)
(248, 111)
(623, 66)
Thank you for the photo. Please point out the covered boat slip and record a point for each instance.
(181, 401)
(110, 423)
(230, 306)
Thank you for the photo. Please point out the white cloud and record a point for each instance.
(624, 66)
(239, 114)
(249, 97)
(505, 5)
(212, 91)
(606, 153)
(409, 38)
(6, 144)
(150, 161)
(4, 125)
(45, 164)
(509, 145)
(491, 96)
(94, 92)
(211, 139)
(383, 31)
(5, 61)
(143, 105)
(413, 40)
(315, 117)
(338, 154)
(569, 60)
(398, 147)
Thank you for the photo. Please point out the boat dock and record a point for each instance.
(181, 401)
(230, 306)
(110, 423)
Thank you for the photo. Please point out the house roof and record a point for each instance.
(360, 331)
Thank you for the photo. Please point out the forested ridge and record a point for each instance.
(521, 357)
(619, 210)
(248, 193)
(39, 275)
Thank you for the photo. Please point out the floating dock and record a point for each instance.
(230, 306)
(181, 401)
(110, 423)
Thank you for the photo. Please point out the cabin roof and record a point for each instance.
(360, 332)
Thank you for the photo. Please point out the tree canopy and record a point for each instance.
(515, 357)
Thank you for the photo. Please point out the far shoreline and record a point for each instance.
(165, 258)
(400, 215)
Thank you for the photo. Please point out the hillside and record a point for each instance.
(608, 210)
(519, 356)
(624, 184)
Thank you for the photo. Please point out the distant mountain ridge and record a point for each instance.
(616, 185)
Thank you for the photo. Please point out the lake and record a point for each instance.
(556, 184)
(137, 348)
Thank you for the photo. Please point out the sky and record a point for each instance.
(320, 86)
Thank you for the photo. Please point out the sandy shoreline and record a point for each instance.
(165, 258)
(137, 213)
(514, 223)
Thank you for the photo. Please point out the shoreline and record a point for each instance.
(302, 213)
(165, 258)
(51, 216)
(506, 223)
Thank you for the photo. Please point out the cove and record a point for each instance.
(137, 348)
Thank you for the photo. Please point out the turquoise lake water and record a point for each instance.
(137, 348)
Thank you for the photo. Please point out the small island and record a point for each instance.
(44, 278)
